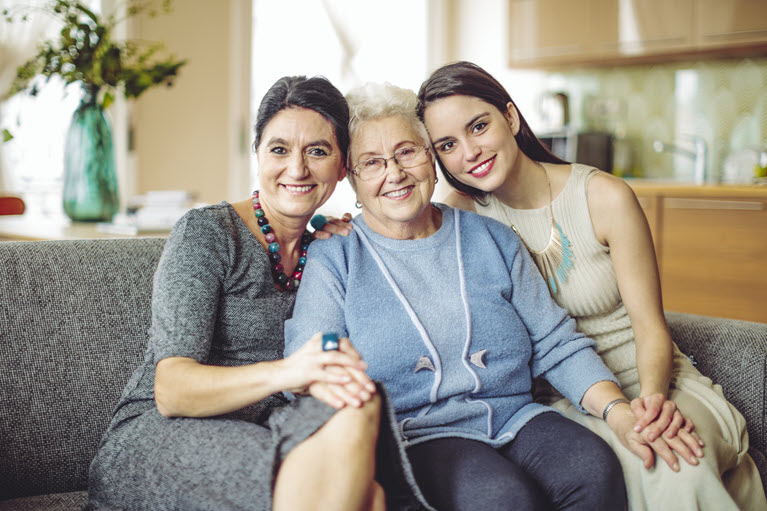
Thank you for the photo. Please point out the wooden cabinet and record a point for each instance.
(643, 27)
(711, 245)
(549, 33)
(713, 253)
(731, 23)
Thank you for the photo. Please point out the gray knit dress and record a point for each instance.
(214, 301)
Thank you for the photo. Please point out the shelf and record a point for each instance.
(39, 228)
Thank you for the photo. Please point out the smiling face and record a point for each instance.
(398, 200)
(474, 140)
(299, 163)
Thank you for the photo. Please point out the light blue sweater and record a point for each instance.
(406, 305)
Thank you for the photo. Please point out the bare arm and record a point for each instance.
(619, 223)
(185, 387)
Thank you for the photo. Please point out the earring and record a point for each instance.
(436, 179)
(358, 205)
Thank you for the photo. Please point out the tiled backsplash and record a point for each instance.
(722, 101)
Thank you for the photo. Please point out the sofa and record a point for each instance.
(73, 325)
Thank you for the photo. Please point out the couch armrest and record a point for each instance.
(733, 354)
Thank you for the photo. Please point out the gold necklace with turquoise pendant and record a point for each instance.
(557, 259)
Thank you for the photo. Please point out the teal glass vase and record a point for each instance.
(90, 180)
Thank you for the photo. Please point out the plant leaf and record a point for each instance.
(84, 51)
(108, 100)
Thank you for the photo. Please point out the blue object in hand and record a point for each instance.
(329, 341)
(318, 222)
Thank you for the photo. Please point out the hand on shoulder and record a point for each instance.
(340, 226)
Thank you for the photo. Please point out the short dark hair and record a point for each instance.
(316, 93)
(467, 79)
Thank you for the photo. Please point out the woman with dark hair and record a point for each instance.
(203, 422)
(590, 240)
(472, 81)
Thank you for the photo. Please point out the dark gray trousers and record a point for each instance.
(553, 463)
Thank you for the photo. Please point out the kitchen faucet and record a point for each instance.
(698, 154)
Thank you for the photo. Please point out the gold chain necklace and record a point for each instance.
(557, 259)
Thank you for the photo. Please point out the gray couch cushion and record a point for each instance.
(733, 354)
(50, 294)
(52, 502)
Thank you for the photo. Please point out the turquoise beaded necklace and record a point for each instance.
(281, 280)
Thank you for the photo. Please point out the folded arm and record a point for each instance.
(185, 387)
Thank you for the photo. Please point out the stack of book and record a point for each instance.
(156, 211)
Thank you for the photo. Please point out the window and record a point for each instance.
(32, 163)
(347, 41)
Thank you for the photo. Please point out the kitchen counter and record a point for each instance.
(682, 189)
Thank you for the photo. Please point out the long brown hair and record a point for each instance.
(467, 79)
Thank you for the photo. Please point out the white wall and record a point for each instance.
(191, 136)
(350, 42)
(481, 33)
(197, 135)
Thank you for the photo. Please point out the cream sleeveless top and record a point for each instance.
(590, 292)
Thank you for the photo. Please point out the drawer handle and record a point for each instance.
(550, 51)
(641, 44)
(713, 204)
(736, 35)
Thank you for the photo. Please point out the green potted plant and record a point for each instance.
(86, 53)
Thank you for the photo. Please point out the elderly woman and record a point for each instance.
(451, 314)
(203, 423)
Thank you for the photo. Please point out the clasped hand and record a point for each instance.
(655, 425)
(335, 377)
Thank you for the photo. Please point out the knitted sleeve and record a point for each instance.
(320, 300)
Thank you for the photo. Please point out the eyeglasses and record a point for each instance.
(406, 157)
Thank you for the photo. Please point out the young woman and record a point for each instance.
(590, 240)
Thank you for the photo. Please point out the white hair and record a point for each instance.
(378, 100)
